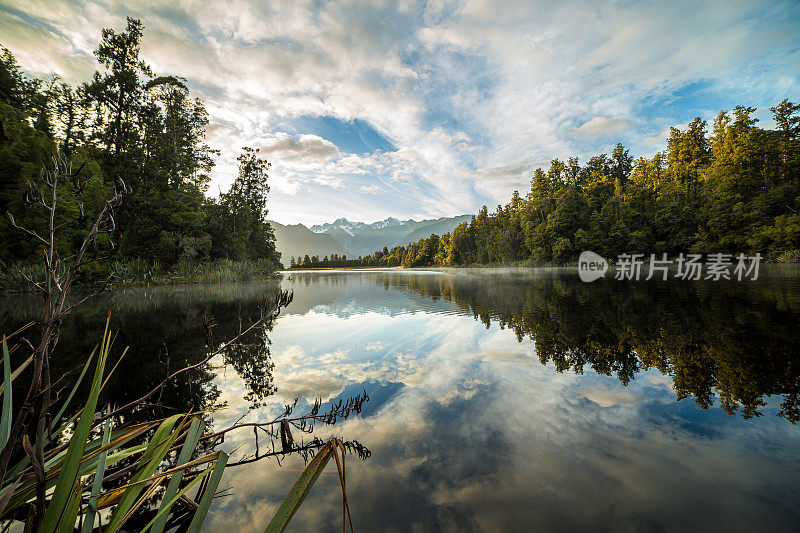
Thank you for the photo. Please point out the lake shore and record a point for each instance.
(21, 278)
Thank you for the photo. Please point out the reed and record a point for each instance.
(101, 465)
(133, 272)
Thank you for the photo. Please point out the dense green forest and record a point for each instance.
(734, 190)
(128, 124)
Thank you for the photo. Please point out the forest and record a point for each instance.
(128, 126)
(735, 189)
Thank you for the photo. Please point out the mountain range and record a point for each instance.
(354, 239)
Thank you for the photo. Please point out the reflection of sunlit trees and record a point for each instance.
(735, 342)
(252, 362)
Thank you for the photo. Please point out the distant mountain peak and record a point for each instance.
(360, 238)
(339, 225)
(354, 228)
(387, 223)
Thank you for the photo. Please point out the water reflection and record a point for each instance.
(499, 400)
(474, 427)
(737, 341)
(164, 330)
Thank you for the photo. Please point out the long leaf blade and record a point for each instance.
(159, 446)
(163, 512)
(211, 489)
(97, 483)
(71, 512)
(72, 461)
(300, 489)
(61, 411)
(19, 370)
(192, 438)
(5, 416)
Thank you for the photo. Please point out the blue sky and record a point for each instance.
(372, 109)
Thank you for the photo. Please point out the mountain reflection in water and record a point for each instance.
(500, 400)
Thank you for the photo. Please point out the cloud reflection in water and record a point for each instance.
(469, 431)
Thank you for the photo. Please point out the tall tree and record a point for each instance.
(118, 92)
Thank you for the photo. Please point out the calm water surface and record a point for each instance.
(500, 400)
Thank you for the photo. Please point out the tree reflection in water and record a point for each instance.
(729, 344)
(736, 341)
(165, 329)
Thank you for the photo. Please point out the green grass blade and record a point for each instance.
(300, 490)
(20, 369)
(61, 411)
(163, 512)
(53, 464)
(159, 439)
(211, 489)
(72, 461)
(192, 438)
(71, 512)
(158, 448)
(23, 463)
(119, 437)
(5, 416)
(97, 483)
(112, 497)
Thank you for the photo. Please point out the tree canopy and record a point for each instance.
(736, 190)
(128, 123)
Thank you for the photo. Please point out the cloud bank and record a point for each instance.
(407, 109)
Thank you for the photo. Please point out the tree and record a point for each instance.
(174, 134)
(737, 192)
(126, 123)
(118, 92)
(688, 154)
(15, 87)
(621, 166)
(788, 121)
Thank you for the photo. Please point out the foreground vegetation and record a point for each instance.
(105, 183)
(736, 190)
(78, 467)
(58, 473)
(129, 128)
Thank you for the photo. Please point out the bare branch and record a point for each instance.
(283, 299)
(32, 233)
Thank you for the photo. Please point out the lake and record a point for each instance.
(499, 400)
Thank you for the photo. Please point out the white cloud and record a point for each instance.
(458, 433)
(514, 170)
(464, 90)
(306, 149)
(606, 397)
(371, 189)
(599, 126)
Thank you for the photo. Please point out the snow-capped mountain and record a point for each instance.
(354, 228)
(388, 223)
(360, 238)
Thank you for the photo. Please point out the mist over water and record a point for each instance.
(501, 400)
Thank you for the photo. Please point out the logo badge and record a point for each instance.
(591, 266)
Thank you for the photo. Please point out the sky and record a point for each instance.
(371, 109)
